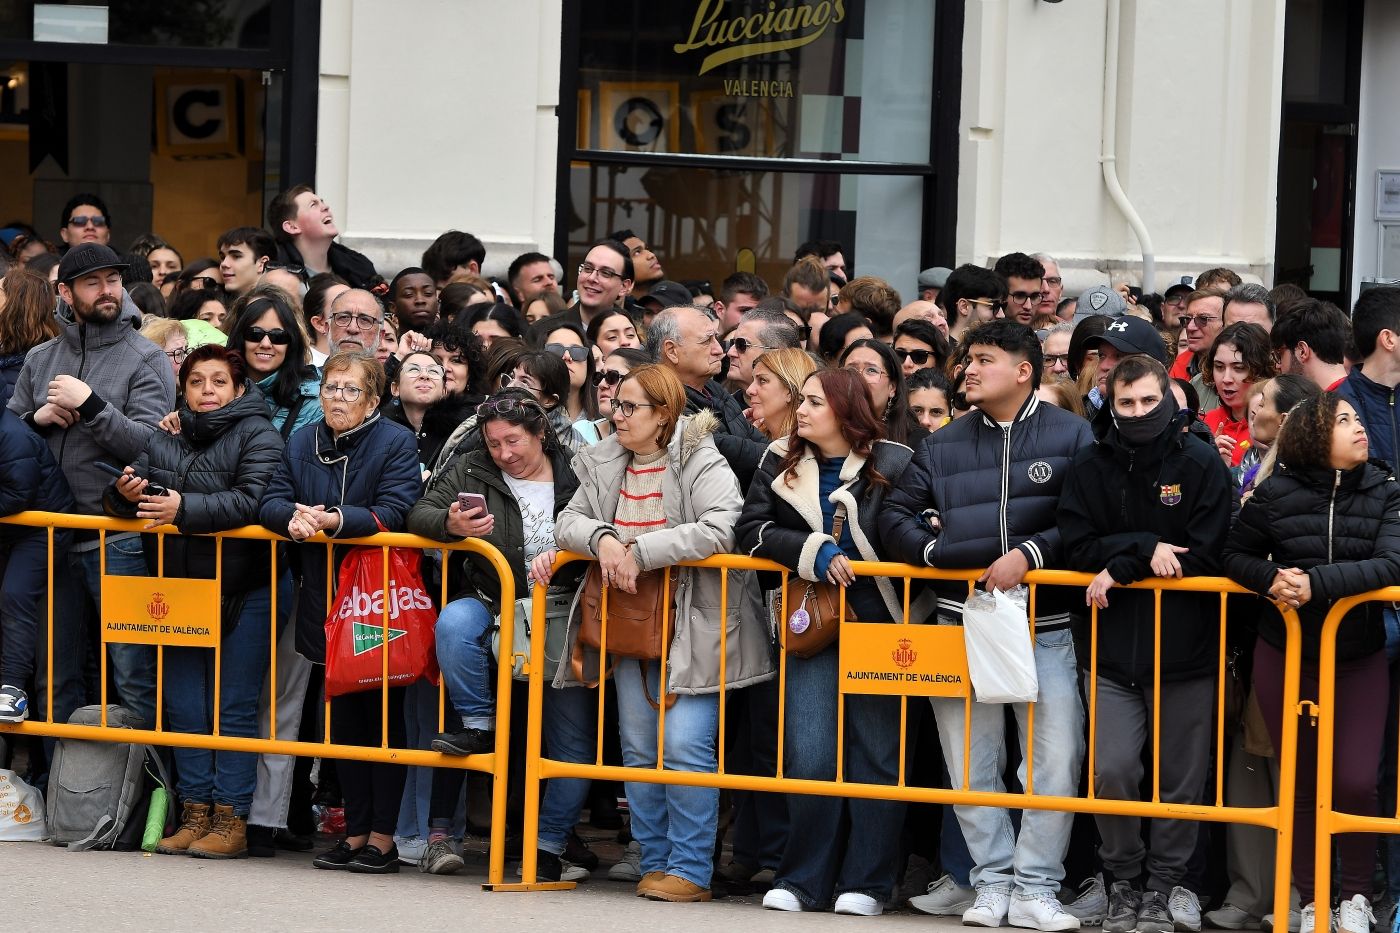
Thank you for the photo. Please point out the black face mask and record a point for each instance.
(1144, 429)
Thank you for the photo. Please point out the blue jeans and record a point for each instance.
(570, 730)
(23, 598)
(133, 666)
(675, 825)
(463, 637)
(1035, 860)
(837, 845)
(207, 776)
(420, 714)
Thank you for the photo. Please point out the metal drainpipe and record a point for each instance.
(1108, 149)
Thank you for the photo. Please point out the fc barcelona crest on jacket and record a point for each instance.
(1170, 495)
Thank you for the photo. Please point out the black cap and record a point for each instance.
(88, 257)
(1129, 334)
(1179, 288)
(667, 294)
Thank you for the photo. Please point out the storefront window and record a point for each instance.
(203, 24)
(825, 107)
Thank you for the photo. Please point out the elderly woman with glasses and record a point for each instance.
(507, 494)
(352, 474)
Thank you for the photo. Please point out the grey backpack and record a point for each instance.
(94, 787)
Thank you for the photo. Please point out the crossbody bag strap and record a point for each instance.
(838, 523)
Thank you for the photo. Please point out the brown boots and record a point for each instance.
(194, 823)
(227, 836)
(222, 836)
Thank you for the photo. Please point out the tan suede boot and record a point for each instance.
(227, 836)
(194, 823)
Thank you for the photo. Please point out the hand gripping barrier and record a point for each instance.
(495, 763)
(1278, 817)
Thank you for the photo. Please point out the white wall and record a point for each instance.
(1378, 132)
(439, 114)
(1197, 142)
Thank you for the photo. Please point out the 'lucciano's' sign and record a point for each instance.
(776, 30)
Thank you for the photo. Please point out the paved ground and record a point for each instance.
(111, 891)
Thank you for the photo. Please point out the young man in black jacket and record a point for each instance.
(1148, 500)
(982, 492)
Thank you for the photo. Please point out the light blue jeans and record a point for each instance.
(1035, 860)
(570, 732)
(675, 825)
(463, 637)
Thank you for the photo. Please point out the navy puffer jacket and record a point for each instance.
(368, 472)
(1343, 528)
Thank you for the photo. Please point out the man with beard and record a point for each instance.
(95, 393)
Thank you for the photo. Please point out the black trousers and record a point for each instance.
(372, 790)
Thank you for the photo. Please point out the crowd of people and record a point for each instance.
(991, 423)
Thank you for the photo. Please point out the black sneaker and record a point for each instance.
(371, 861)
(466, 742)
(336, 859)
(261, 841)
(577, 852)
(547, 866)
(1123, 903)
(1154, 915)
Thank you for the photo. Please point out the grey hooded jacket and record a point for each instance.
(133, 388)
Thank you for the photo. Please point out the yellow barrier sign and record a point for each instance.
(914, 660)
(160, 611)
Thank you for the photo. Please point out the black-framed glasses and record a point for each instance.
(744, 345)
(276, 335)
(1022, 298)
(628, 409)
(603, 272)
(178, 355)
(82, 220)
(1053, 359)
(570, 351)
(349, 393)
(611, 376)
(505, 406)
(344, 319)
(920, 357)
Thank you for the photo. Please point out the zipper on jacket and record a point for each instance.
(1394, 432)
(1331, 510)
(1005, 484)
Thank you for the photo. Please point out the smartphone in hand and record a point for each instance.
(466, 501)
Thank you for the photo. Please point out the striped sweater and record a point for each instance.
(639, 506)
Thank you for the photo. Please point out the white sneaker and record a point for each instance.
(1041, 910)
(1295, 921)
(1090, 905)
(1185, 909)
(944, 898)
(14, 704)
(781, 899)
(858, 905)
(990, 908)
(1306, 919)
(1354, 916)
(629, 867)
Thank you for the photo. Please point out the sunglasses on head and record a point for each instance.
(920, 357)
(505, 406)
(611, 376)
(575, 353)
(277, 336)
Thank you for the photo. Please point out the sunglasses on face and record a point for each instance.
(997, 306)
(920, 357)
(206, 283)
(82, 220)
(568, 351)
(277, 336)
(611, 376)
(744, 346)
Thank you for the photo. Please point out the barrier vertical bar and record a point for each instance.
(781, 624)
(967, 720)
(602, 657)
(330, 604)
(272, 650)
(1220, 712)
(500, 764)
(218, 630)
(384, 649)
(1029, 750)
(840, 698)
(1326, 712)
(904, 701)
(102, 642)
(660, 675)
(723, 663)
(1288, 763)
(49, 645)
(1157, 697)
(1093, 693)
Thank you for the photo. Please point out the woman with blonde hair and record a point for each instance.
(168, 334)
(774, 392)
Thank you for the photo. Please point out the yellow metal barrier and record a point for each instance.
(494, 763)
(1278, 817)
(1331, 822)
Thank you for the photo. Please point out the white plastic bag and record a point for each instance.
(21, 810)
(999, 655)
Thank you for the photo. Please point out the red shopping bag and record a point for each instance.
(355, 623)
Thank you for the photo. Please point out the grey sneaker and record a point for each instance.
(1122, 912)
(14, 704)
(1185, 909)
(944, 898)
(1231, 917)
(439, 859)
(568, 871)
(1091, 903)
(1295, 921)
(629, 867)
(1154, 916)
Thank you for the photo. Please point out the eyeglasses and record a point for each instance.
(744, 346)
(996, 306)
(920, 357)
(1023, 298)
(504, 406)
(286, 267)
(1174, 303)
(364, 321)
(416, 370)
(869, 372)
(508, 381)
(576, 353)
(611, 376)
(603, 272)
(178, 356)
(277, 336)
(349, 393)
(1199, 320)
(206, 283)
(1054, 359)
(82, 220)
(628, 409)
(1052, 280)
